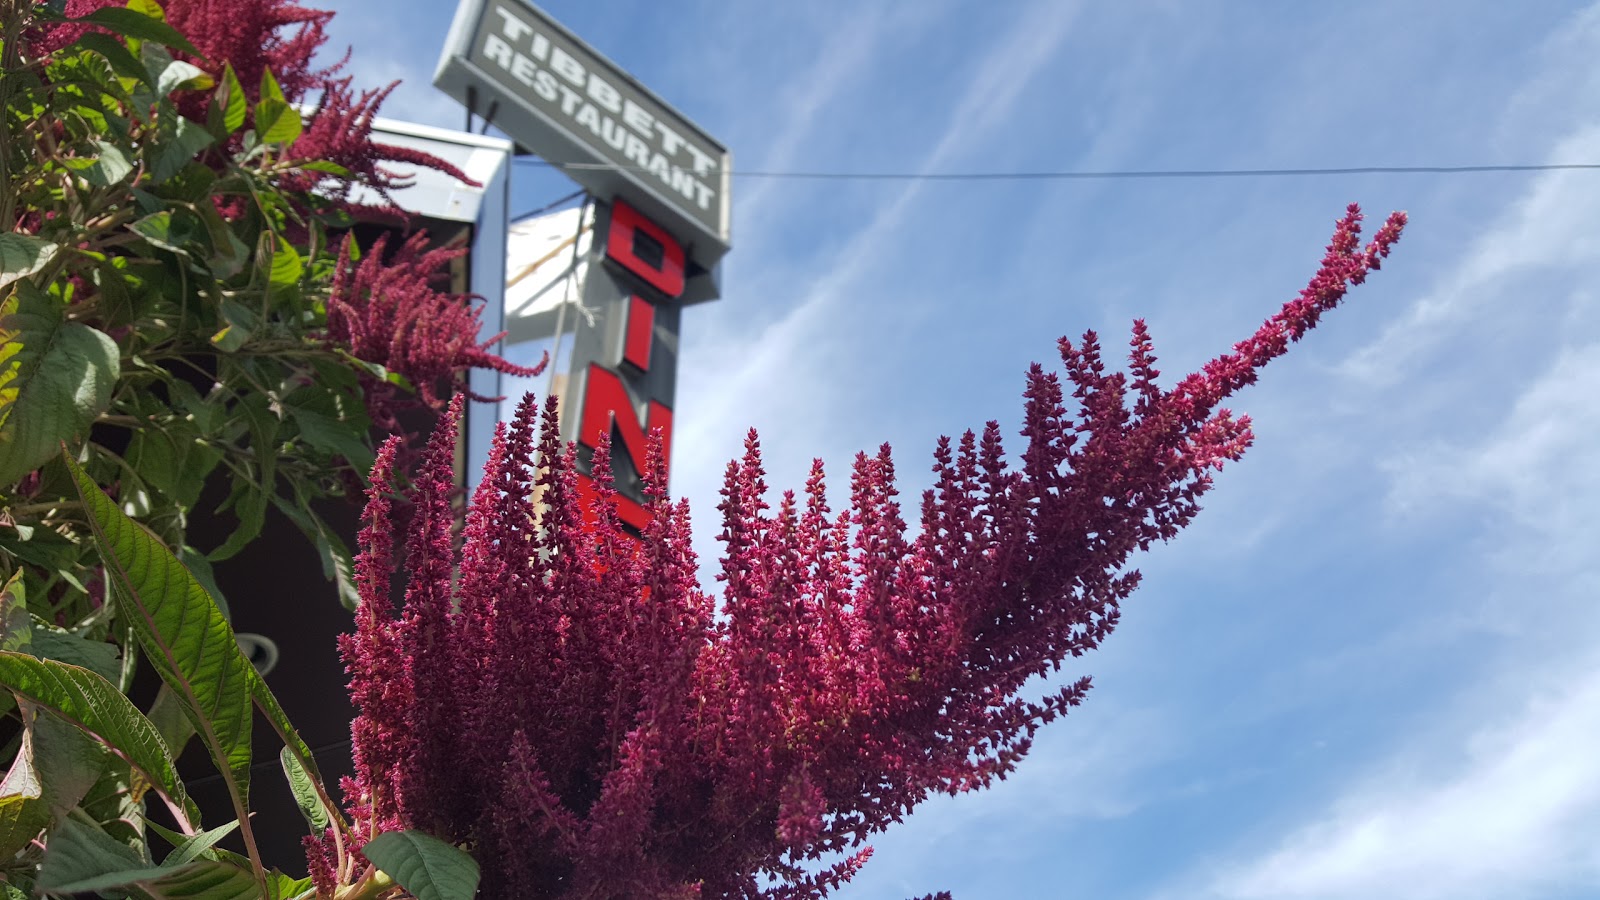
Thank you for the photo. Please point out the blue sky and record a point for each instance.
(1372, 667)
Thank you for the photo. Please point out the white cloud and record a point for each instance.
(1556, 224)
(1520, 814)
(846, 53)
(415, 99)
(1538, 466)
(779, 367)
(1081, 772)
(381, 54)
(1496, 792)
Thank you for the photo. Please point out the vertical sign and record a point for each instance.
(625, 368)
(663, 184)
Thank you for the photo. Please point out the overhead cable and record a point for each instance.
(1090, 175)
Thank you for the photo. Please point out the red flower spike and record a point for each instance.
(649, 748)
(386, 310)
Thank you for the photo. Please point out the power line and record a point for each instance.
(549, 206)
(1106, 174)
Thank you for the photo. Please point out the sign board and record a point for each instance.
(556, 95)
(613, 316)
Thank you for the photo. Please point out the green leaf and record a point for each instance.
(69, 761)
(270, 89)
(206, 414)
(424, 865)
(100, 881)
(55, 378)
(22, 255)
(174, 461)
(293, 743)
(108, 166)
(16, 626)
(242, 321)
(282, 887)
(157, 229)
(147, 202)
(98, 657)
(377, 371)
(231, 100)
(331, 168)
(330, 435)
(116, 53)
(196, 844)
(338, 566)
(22, 817)
(177, 75)
(55, 767)
(133, 495)
(94, 705)
(228, 253)
(23, 813)
(192, 184)
(78, 850)
(183, 634)
(250, 505)
(141, 26)
(166, 713)
(177, 148)
(305, 792)
(117, 303)
(249, 497)
(116, 802)
(277, 122)
(287, 266)
(200, 567)
(47, 550)
(204, 879)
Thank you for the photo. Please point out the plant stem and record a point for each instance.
(372, 885)
(28, 509)
(11, 20)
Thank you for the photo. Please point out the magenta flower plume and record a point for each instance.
(281, 36)
(379, 735)
(387, 310)
(339, 130)
(252, 35)
(569, 702)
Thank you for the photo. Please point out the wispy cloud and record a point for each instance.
(1537, 467)
(845, 54)
(1556, 224)
(1518, 815)
(780, 362)
(1085, 776)
(381, 54)
(1495, 792)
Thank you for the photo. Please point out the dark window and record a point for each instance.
(648, 249)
